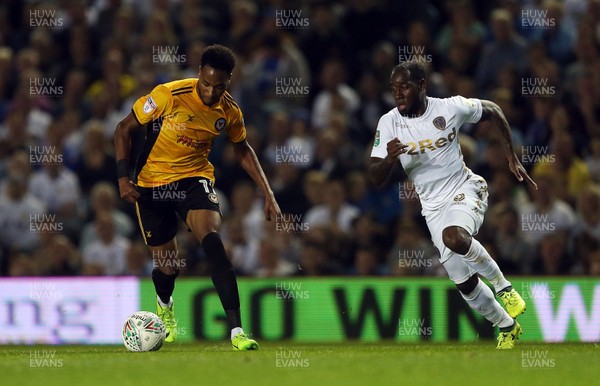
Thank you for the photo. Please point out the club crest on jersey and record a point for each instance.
(149, 106)
(459, 197)
(213, 197)
(220, 124)
(439, 123)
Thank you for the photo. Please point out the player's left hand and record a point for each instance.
(272, 210)
(519, 171)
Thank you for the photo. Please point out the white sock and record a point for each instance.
(169, 305)
(480, 260)
(482, 300)
(235, 331)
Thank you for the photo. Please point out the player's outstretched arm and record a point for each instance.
(122, 139)
(492, 112)
(380, 168)
(247, 158)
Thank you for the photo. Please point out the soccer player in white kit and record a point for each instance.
(422, 133)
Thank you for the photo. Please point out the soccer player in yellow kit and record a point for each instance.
(174, 177)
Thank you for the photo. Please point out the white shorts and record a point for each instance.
(465, 209)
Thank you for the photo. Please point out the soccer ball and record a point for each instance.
(143, 331)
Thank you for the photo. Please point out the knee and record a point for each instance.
(468, 286)
(203, 222)
(457, 239)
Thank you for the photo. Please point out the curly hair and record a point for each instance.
(218, 57)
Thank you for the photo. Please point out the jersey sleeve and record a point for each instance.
(469, 109)
(382, 136)
(152, 106)
(236, 130)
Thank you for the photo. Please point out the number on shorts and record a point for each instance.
(207, 186)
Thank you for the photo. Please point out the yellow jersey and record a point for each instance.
(180, 130)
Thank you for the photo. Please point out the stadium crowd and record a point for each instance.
(312, 79)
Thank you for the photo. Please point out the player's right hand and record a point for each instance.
(395, 148)
(272, 210)
(127, 190)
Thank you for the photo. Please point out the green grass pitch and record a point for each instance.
(289, 364)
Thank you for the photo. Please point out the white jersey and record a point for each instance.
(433, 161)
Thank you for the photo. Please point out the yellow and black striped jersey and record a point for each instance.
(180, 130)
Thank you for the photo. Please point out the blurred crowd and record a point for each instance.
(312, 79)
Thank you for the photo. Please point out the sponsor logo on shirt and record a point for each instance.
(191, 142)
(459, 197)
(415, 148)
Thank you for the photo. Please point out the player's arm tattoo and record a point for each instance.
(493, 113)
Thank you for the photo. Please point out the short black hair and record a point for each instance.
(218, 57)
(415, 69)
